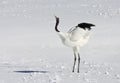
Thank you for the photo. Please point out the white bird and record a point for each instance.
(75, 38)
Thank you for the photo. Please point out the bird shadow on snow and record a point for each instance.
(31, 71)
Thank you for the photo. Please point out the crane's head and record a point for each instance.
(85, 26)
(57, 18)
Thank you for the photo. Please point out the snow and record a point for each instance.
(31, 51)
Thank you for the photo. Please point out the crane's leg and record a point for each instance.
(78, 62)
(74, 62)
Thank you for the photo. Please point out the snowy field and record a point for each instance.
(31, 51)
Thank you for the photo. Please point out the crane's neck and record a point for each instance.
(56, 25)
(61, 34)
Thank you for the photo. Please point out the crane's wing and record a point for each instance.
(71, 29)
(77, 34)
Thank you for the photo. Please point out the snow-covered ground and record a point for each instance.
(31, 51)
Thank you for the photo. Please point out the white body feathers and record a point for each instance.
(75, 37)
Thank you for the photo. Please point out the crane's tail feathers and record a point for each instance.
(86, 25)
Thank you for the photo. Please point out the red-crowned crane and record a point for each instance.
(75, 38)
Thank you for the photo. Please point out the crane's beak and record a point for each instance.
(56, 17)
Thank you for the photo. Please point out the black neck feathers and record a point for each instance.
(56, 25)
